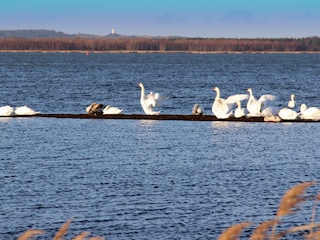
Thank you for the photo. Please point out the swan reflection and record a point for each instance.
(226, 124)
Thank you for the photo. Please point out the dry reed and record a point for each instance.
(261, 232)
(29, 234)
(63, 230)
(97, 238)
(290, 201)
(292, 198)
(81, 236)
(288, 205)
(233, 232)
(298, 229)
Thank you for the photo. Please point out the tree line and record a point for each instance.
(310, 44)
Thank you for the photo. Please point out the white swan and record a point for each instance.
(312, 113)
(95, 109)
(288, 114)
(197, 109)
(112, 110)
(6, 111)
(25, 111)
(255, 106)
(291, 103)
(239, 112)
(148, 102)
(222, 108)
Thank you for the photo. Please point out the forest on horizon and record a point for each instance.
(211, 45)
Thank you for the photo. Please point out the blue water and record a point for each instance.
(144, 179)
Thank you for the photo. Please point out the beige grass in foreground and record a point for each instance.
(288, 205)
(234, 231)
(29, 234)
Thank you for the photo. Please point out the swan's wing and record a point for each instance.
(6, 111)
(291, 104)
(312, 111)
(112, 110)
(237, 97)
(149, 100)
(269, 111)
(24, 110)
(288, 114)
(267, 97)
(220, 105)
(154, 99)
(159, 99)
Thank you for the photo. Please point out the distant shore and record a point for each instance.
(162, 52)
(162, 45)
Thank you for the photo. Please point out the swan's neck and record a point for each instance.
(142, 92)
(292, 99)
(218, 93)
(303, 107)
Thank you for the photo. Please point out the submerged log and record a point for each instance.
(152, 117)
(161, 117)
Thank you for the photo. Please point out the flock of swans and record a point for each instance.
(225, 108)
(221, 108)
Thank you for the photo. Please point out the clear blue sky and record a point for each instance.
(188, 18)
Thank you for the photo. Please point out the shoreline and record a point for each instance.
(161, 52)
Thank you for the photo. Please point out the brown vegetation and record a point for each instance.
(311, 44)
(266, 230)
(288, 205)
(30, 234)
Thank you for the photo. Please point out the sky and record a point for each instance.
(185, 18)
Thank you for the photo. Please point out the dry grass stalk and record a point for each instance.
(63, 230)
(261, 232)
(289, 201)
(233, 232)
(314, 235)
(292, 198)
(81, 236)
(314, 210)
(298, 229)
(29, 234)
(97, 238)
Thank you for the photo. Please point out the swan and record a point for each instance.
(271, 118)
(197, 109)
(288, 114)
(95, 109)
(148, 102)
(312, 113)
(291, 103)
(269, 111)
(222, 108)
(6, 111)
(112, 110)
(26, 111)
(239, 112)
(255, 106)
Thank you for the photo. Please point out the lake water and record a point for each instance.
(144, 179)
